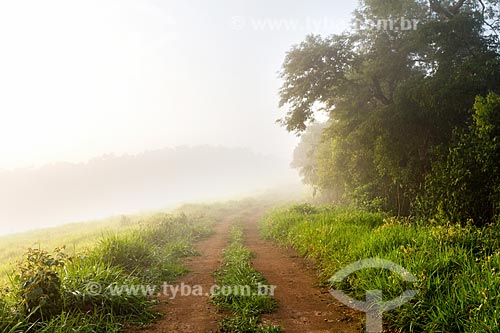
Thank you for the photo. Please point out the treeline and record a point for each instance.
(63, 192)
(414, 115)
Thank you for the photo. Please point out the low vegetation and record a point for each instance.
(243, 290)
(457, 266)
(57, 292)
(75, 236)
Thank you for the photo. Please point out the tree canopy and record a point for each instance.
(393, 96)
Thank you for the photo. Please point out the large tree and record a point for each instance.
(392, 94)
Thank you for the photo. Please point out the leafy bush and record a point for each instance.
(464, 185)
(38, 285)
(304, 209)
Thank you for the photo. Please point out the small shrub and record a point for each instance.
(304, 209)
(38, 284)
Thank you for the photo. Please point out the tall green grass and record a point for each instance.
(50, 292)
(247, 305)
(75, 236)
(457, 267)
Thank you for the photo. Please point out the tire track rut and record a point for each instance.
(189, 314)
(302, 306)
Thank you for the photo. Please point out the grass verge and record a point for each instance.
(53, 292)
(242, 290)
(457, 267)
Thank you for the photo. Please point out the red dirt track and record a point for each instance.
(303, 307)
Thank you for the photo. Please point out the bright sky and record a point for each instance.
(80, 79)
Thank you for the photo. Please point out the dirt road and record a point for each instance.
(193, 313)
(303, 307)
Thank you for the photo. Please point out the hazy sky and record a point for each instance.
(83, 78)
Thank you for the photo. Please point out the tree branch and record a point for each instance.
(446, 13)
(456, 7)
(440, 10)
(377, 92)
(484, 19)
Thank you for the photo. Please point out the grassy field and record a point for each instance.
(75, 236)
(76, 290)
(457, 267)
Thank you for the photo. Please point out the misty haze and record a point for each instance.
(249, 166)
(109, 185)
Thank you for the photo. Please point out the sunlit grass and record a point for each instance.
(49, 291)
(246, 310)
(76, 237)
(456, 267)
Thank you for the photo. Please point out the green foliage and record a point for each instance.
(153, 253)
(304, 209)
(456, 266)
(128, 252)
(304, 156)
(465, 183)
(50, 294)
(80, 322)
(54, 293)
(86, 272)
(392, 97)
(248, 304)
(76, 236)
(38, 284)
